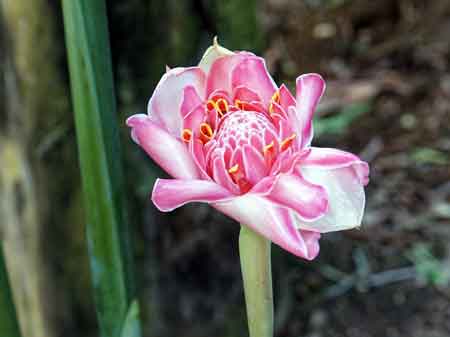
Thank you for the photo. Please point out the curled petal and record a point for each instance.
(164, 106)
(169, 194)
(345, 198)
(308, 200)
(310, 88)
(327, 158)
(273, 222)
(251, 72)
(311, 241)
(166, 150)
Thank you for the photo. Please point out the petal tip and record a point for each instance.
(156, 197)
(135, 120)
(314, 81)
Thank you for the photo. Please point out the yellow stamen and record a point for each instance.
(186, 135)
(287, 142)
(210, 105)
(206, 132)
(234, 169)
(268, 148)
(222, 106)
(276, 97)
(239, 104)
(271, 107)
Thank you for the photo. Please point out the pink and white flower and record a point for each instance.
(230, 137)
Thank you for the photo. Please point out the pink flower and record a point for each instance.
(231, 138)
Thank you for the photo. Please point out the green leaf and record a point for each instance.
(131, 326)
(8, 321)
(87, 43)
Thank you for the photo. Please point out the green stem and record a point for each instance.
(256, 269)
(8, 319)
(87, 43)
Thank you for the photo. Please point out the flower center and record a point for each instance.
(241, 141)
(245, 146)
(245, 127)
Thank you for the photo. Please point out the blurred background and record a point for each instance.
(387, 66)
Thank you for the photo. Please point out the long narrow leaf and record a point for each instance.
(8, 320)
(93, 98)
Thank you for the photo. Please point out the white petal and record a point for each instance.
(346, 199)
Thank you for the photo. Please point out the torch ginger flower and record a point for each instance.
(231, 138)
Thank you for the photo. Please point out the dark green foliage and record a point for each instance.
(97, 135)
(8, 320)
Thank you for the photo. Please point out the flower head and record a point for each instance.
(230, 137)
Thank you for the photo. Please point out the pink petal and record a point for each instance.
(169, 194)
(277, 110)
(252, 73)
(216, 94)
(346, 198)
(311, 241)
(245, 94)
(196, 150)
(273, 222)
(327, 158)
(194, 118)
(162, 147)
(286, 98)
(236, 157)
(190, 100)
(308, 200)
(287, 161)
(254, 164)
(219, 76)
(310, 88)
(164, 106)
(283, 126)
(222, 177)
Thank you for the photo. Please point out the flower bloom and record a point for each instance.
(231, 138)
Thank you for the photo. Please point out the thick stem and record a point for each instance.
(256, 269)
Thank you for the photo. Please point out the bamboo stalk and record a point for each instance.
(93, 98)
